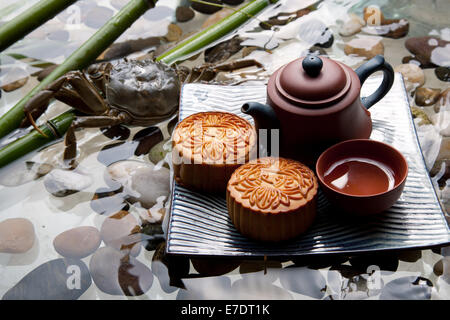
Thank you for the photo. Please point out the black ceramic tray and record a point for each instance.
(199, 223)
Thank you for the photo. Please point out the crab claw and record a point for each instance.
(30, 118)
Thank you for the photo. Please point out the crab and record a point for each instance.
(130, 92)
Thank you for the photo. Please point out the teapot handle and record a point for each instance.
(375, 64)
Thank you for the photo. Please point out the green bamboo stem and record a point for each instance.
(53, 129)
(29, 20)
(81, 58)
(214, 32)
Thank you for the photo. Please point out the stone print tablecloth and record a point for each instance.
(416, 274)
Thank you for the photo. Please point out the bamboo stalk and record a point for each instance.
(29, 20)
(81, 58)
(214, 32)
(53, 129)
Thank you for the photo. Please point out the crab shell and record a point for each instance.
(147, 91)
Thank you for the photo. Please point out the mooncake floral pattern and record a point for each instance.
(269, 183)
(216, 136)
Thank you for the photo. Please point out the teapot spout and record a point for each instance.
(263, 115)
(265, 118)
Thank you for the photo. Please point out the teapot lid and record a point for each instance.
(313, 82)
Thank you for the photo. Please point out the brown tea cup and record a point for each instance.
(362, 176)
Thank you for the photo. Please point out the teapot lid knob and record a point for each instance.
(312, 65)
(313, 82)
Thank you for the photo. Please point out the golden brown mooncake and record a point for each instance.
(208, 146)
(272, 199)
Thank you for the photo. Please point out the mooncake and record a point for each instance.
(272, 199)
(208, 146)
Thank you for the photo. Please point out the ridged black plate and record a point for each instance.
(199, 223)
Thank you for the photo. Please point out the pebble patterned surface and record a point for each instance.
(64, 219)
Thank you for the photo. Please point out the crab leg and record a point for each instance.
(86, 93)
(99, 75)
(73, 99)
(37, 105)
(239, 64)
(207, 72)
(70, 141)
(200, 74)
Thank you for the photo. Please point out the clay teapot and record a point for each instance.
(315, 102)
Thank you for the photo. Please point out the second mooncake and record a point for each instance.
(272, 199)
